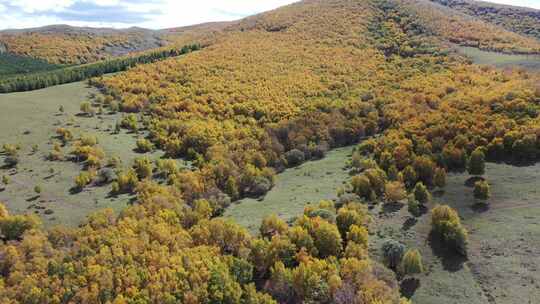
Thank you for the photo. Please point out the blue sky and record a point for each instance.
(154, 14)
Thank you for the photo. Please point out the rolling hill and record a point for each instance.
(267, 93)
(63, 44)
(521, 20)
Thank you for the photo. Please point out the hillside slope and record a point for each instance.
(62, 44)
(457, 27)
(269, 92)
(516, 19)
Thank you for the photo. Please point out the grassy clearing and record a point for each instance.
(309, 183)
(500, 60)
(504, 241)
(31, 118)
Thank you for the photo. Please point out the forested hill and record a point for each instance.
(517, 19)
(62, 44)
(270, 92)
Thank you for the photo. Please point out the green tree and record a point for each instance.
(421, 193)
(392, 253)
(327, 239)
(446, 224)
(440, 178)
(477, 162)
(482, 190)
(411, 262)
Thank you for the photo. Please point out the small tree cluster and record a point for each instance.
(446, 224)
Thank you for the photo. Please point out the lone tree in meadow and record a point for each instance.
(392, 253)
(446, 225)
(87, 109)
(440, 178)
(477, 162)
(411, 263)
(482, 190)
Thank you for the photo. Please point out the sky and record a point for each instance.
(155, 14)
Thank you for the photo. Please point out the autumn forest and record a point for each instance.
(181, 125)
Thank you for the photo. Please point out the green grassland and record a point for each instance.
(12, 64)
(308, 183)
(31, 118)
(500, 60)
(504, 240)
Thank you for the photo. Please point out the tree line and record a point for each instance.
(42, 80)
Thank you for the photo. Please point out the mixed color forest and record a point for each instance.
(264, 94)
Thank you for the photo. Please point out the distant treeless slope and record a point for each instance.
(521, 20)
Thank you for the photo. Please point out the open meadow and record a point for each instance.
(30, 119)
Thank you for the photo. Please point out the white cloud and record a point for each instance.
(526, 3)
(32, 6)
(155, 14)
(159, 13)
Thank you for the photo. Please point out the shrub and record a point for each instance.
(411, 262)
(10, 149)
(421, 193)
(3, 211)
(446, 224)
(114, 106)
(166, 167)
(83, 180)
(395, 191)
(358, 235)
(386, 160)
(348, 216)
(143, 167)
(477, 162)
(440, 178)
(12, 227)
(525, 149)
(37, 189)
(88, 140)
(125, 181)
(409, 177)
(295, 157)
(86, 108)
(327, 239)
(129, 122)
(413, 206)
(272, 225)
(482, 190)
(377, 179)
(392, 253)
(106, 176)
(114, 162)
(6, 180)
(323, 213)
(362, 186)
(144, 145)
(261, 185)
(11, 161)
(425, 169)
(65, 135)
